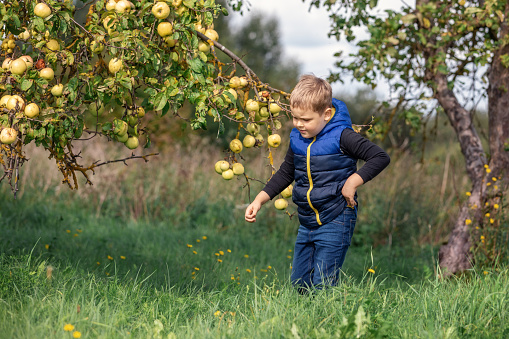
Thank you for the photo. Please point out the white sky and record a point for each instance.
(304, 35)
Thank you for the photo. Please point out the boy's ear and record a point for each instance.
(327, 115)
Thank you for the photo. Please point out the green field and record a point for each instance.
(168, 255)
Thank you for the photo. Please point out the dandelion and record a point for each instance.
(79, 230)
(248, 270)
(68, 231)
(372, 271)
(290, 251)
(488, 184)
(494, 179)
(98, 263)
(269, 267)
(289, 256)
(219, 260)
(492, 220)
(486, 166)
(486, 203)
(495, 187)
(488, 170)
(198, 240)
(468, 194)
(107, 273)
(246, 255)
(232, 277)
(110, 257)
(476, 227)
(68, 327)
(196, 268)
(229, 250)
(76, 334)
(193, 273)
(221, 252)
(122, 257)
(75, 235)
(496, 206)
(487, 215)
(468, 222)
(263, 270)
(482, 237)
(189, 245)
(217, 313)
(485, 272)
(46, 246)
(204, 237)
(195, 252)
(217, 254)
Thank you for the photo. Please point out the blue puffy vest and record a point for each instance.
(321, 169)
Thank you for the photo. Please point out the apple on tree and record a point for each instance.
(8, 135)
(18, 66)
(287, 192)
(274, 140)
(238, 168)
(161, 10)
(132, 142)
(57, 90)
(28, 61)
(164, 29)
(115, 65)
(236, 146)
(281, 204)
(249, 141)
(47, 73)
(228, 174)
(31, 110)
(42, 10)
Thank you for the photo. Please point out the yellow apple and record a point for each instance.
(253, 128)
(235, 82)
(236, 146)
(252, 105)
(110, 5)
(259, 138)
(15, 102)
(122, 6)
(199, 28)
(264, 112)
(120, 127)
(57, 90)
(8, 135)
(228, 174)
(24, 35)
(96, 47)
(115, 65)
(31, 110)
(164, 29)
(47, 73)
(161, 10)
(274, 108)
(132, 142)
(218, 167)
(274, 140)
(249, 141)
(28, 60)
(3, 100)
(281, 204)
(7, 63)
(42, 10)
(18, 66)
(238, 168)
(176, 3)
(140, 111)
(232, 92)
(211, 34)
(287, 192)
(170, 42)
(53, 45)
(204, 47)
(243, 81)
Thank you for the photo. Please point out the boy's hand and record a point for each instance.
(251, 211)
(350, 187)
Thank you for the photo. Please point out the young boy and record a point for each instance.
(322, 159)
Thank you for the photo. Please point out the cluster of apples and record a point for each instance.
(228, 171)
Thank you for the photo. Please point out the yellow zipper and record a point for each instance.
(311, 181)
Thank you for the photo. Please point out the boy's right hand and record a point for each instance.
(251, 211)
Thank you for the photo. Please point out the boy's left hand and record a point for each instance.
(350, 187)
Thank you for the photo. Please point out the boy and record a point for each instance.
(322, 159)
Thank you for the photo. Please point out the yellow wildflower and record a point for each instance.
(107, 273)
(468, 222)
(76, 334)
(217, 313)
(485, 272)
(204, 237)
(68, 231)
(494, 179)
(482, 237)
(229, 250)
(219, 260)
(98, 263)
(122, 257)
(486, 203)
(198, 240)
(492, 220)
(196, 268)
(248, 270)
(189, 245)
(68, 327)
(46, 246)
(476, 227)
(217, 254)
(488, 170)
(486, 166)
(290, 251)
(193, 273)
(110, 257)
(495, 187)
(372, 271)
(269, 267)
(488, 184)
(263, 270)
(289, 256)
(195, 252)
(221, 252)
(487, 215)
(468, 194)
(246, 255)
(79, 231)
(233, 278)
(496, 206)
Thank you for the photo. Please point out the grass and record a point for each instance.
(116, 260)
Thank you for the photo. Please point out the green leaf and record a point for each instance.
(196, 65)
(26, 84)
(39, 24)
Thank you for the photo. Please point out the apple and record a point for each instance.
(123, 138)
(96, 47)
(219, 164)
(47, 74)
(236, 146)
(243, 81)
(3, 100)
(110, 6)
(170, 42)
(57, 90)
(122, 6)
(176, 3)
(228, 174)
(238, 168)
(53, 45)
(164, 29)
(235, 82)
(8, 135)
(7, 63)
(281, 204)
(15, 102)
(211, 34)
(287, 192)
(140, 111)
(31, 110)
(274, 140)
(259, 138)
(94, 110)
(249, 141)
(28, 61)
(253, 128)
(203, 47)
(120, 127)
(115, 65)
(107, 24)
(274, 109)
(18, 66)
(252, 105)
(264, 112)
(161, 10)
(232, 92)
(42, 10)
(24, 35)
(199, 28)
(132, 142)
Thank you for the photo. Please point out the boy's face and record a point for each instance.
(308, 122)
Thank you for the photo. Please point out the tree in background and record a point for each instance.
(443, 56)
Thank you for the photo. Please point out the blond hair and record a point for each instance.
(312, 93)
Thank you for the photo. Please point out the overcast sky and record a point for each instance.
(304, 35)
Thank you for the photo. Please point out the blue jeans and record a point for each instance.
(320, 251)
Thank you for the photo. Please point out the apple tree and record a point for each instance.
(64, 80)
(442, 57)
